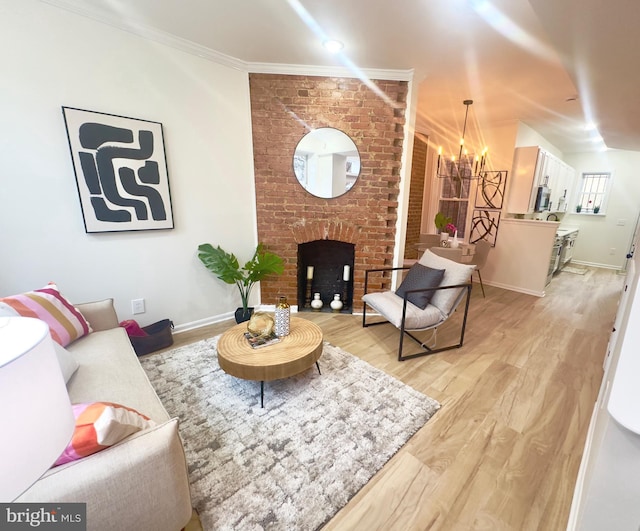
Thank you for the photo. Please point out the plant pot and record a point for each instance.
(243, 315)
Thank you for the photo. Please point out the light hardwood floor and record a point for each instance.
(504, 450)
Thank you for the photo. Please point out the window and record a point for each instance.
(594, 190)
(454, 198)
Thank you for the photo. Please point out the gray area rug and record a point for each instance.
(298, 461)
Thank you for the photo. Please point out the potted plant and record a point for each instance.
(578, 208)
(227, 268)
(442, 221)
(596, 209)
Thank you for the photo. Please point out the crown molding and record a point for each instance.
(329, 71)
(146, 32)
(167, 39)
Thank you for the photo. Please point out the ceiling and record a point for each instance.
(555, 65)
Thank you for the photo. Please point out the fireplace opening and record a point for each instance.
(325, 267)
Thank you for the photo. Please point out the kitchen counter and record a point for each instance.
(520, 259)
(561, 232)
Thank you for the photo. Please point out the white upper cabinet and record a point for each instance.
(533, 167)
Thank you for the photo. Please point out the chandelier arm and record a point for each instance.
(457, 169)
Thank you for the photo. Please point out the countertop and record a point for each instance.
(565, 231)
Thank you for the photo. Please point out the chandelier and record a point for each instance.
(467, 166)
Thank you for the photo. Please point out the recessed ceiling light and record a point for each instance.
(333, 46)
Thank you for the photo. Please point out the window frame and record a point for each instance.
(582, 194)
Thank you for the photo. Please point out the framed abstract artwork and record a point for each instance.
(490, 190)
(484, 226)
(485, 220)
(121, 171)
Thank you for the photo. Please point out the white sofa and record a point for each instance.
(141, 482)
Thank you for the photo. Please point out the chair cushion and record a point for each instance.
(420, 277)
(455, 273)
(389, 305)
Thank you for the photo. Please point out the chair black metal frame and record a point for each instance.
(403, 330)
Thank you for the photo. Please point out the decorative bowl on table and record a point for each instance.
(261, 324)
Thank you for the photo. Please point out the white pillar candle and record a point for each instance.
(345, 273)
(309, 272)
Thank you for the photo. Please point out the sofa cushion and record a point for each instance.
(455, 273)
(66, 323)
(110, 371)
(420, 277)
(68, 364)
(100, 314)
(100, 425)
(140, 483)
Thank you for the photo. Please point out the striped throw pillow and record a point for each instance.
(66, 323)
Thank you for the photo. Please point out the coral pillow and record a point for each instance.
(100, 425)
(66, 323)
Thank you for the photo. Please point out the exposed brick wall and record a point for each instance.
(283, 109)
(416, 194)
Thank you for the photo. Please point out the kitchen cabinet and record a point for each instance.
(561, 182)
(533, 167)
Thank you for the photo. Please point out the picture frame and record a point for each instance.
(484, 226)
(121, 171)
(491, 189)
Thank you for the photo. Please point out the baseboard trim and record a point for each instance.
(510, 288)
(222, 317)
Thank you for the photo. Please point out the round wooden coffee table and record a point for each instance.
(293, 354)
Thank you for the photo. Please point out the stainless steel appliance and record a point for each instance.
(554, 262)
(566, 254)
(543, 198)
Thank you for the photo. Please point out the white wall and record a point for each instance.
(530, 137)
(601, 233)
(52, 58)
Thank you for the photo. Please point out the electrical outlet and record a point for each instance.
(621, 223)
(137, 306)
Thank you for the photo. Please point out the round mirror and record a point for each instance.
(326, 162)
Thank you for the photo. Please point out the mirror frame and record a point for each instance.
(344, 153)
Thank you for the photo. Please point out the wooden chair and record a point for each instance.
(454, 287)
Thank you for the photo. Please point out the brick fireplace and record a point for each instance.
(283, 109)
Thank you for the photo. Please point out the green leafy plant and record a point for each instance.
(578, 208)
(596, 209)
(442, 221)
(227, 268)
